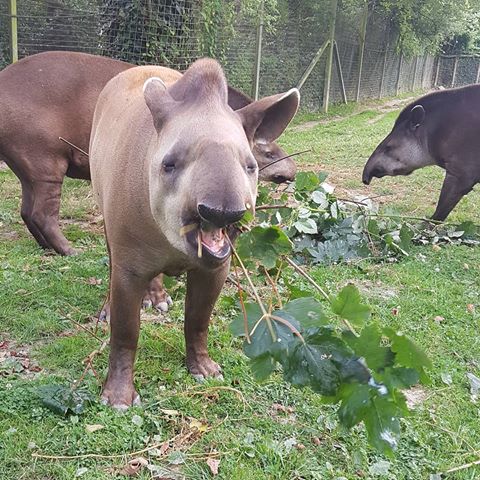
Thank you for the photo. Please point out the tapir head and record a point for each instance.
(404, 150)
(274, 165)
(203, 175)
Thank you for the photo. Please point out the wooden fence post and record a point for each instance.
(363, 33)
(258, 53)
(328, 66)
(414, 73)
(397, 85)
(13, 31)
(384, 66)
(340, 73)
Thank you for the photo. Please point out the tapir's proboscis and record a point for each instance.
(441, 128)
(172, 170)
(50, 95)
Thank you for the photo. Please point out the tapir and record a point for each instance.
(51, 95)
(441, 128)
(172, 171)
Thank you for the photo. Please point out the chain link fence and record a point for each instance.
(333, 52)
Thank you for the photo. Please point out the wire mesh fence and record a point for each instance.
(292, 42)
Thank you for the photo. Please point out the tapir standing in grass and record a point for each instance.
(53, 94)
(441, 128)
(172, 169)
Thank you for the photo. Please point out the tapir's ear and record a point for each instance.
(267, 118)
(417, 116)
(157, 99)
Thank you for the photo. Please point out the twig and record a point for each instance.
(242, 305)
(120, 455)
(271, 207)
(78, 324)
(307, 276)
(74, 146)
(218, 387)
(283, 158)
(272, 283)
(462, 467)
(289, 325)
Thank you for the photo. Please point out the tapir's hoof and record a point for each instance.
(203, 367)
(158, 300)
(120, 399)
(104, 315)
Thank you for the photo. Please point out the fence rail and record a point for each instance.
(332, 54)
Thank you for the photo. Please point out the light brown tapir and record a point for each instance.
(51, 95)
(172, 170)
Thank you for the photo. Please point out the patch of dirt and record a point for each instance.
(9, 235)
(376, 289)
(15, 360)
(385, 108)
(415, 396)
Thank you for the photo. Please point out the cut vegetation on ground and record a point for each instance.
(243, 429)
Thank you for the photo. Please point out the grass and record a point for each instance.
(259, 431)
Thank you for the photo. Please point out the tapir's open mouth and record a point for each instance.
(207, 240)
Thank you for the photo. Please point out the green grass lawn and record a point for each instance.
(256, 431)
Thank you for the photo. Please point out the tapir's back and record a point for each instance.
(52, 94)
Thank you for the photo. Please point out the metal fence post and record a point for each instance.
(384, 66)
(414, 73)
(477, 78)
(363, 33)
(437, 71)
(397, 85)
(454, 74)
(328, 67)
(13, 31)
(258, 53)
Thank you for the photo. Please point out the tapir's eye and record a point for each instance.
(168, 164)
(269, 155)
(251, 167)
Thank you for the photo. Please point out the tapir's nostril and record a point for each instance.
(218, 217)
(280, 178)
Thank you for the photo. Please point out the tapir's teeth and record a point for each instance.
(199, 244)
(213, 239)
(187, 228)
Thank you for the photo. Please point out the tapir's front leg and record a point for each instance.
(126, 291)
(203, 289)
(453, 189)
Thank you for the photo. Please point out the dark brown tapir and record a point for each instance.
(51, 95)
(172, 169)
(441, 128)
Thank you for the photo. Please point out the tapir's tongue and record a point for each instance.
(213, 239)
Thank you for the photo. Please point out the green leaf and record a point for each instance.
(253, 312)
(347, 304)
(355, 403)
(264, 244)
(408, 353)
(323, 362)
(306, 181)
(261, 341)
(382, 423)
(320, 198)
(368, 346)
(307, 311)
(62, 399)
(406, 236)
(306, 225)
(262, 366)
(399, 377)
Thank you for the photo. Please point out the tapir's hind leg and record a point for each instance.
(126, 291)
(26, 213)
(156, 295)
(203, 289)
(44, 215)
(453, 189)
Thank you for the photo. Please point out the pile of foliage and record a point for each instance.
(327, 229)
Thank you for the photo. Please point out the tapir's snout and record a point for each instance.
(366, 178)
(219, 217)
